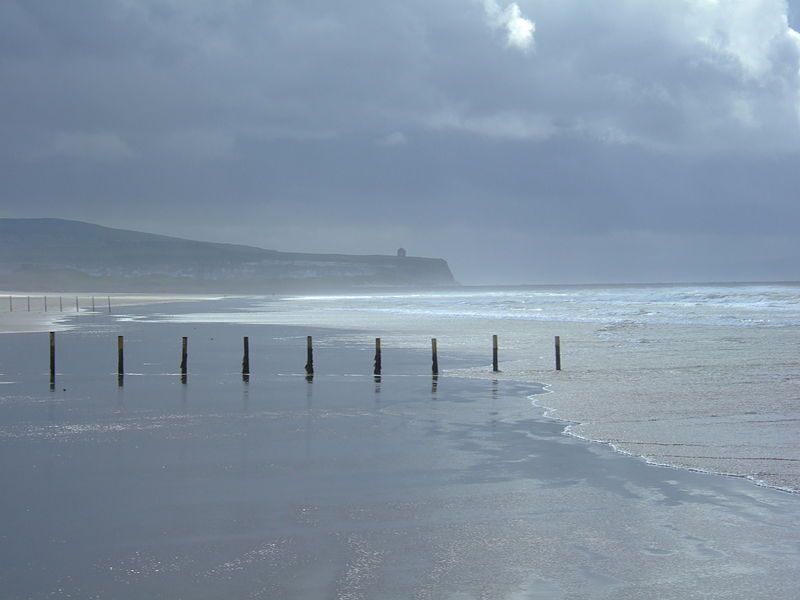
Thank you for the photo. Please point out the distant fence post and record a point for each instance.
(495, 365)
(184, 357)
(309, 356)
(558, 352)
(109, 305)
(77, 308)
(377, 370)
(434, 357)
(29, 304)
(246, 356)
(92, 303)
(60, 304)
(45, 304)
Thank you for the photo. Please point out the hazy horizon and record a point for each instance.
(526, 142)
(517, 284)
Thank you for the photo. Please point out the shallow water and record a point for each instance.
(704, 377)
(344, 487)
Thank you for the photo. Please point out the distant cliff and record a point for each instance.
(61, 255)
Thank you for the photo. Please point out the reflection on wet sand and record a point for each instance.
(284, 488)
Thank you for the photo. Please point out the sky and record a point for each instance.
(536, 141)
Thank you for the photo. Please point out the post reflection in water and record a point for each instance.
(377, 418)
(309, 415)
(434, 385)
(184, 397)
(245, 399)
(495, 395)
(243, 437)
(120, 409)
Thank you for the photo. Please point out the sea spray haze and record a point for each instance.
(697, 376)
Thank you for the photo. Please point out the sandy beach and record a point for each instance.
(342, 487)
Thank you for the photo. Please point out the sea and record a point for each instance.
(698, 376)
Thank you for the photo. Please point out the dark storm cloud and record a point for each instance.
(644, 140)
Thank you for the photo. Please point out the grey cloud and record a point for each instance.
(365, 126)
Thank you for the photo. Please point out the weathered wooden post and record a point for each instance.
(60, 304)
(377, 369)
(558, 353)
(77, 308)
(45, 304)
(246, 357)
(109, 304)
(495, 366)
(309, 356)
(52, 359)
(184, 357)
(120, 356)
(92, 303)
(29, 304)
(434, 357)
(120, 361)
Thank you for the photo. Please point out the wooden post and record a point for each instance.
(10, 304)
(434, 357)
(495, 366)
(29, 304)
(246, 356)
(45, 304)
(77, 308)
(377, 370)
(184, 357)
(109, 305)
(558, 353)
(60, 304)
(309, 356)
(52, 359)
(92, 303)
(120, 356)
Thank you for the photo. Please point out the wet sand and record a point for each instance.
(717, 398)
(344, 487)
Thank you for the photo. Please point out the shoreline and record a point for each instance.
(549, 412)
(568, 424)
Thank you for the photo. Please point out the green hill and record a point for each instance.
(62, 255)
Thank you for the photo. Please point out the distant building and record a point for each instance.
(401, 252)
